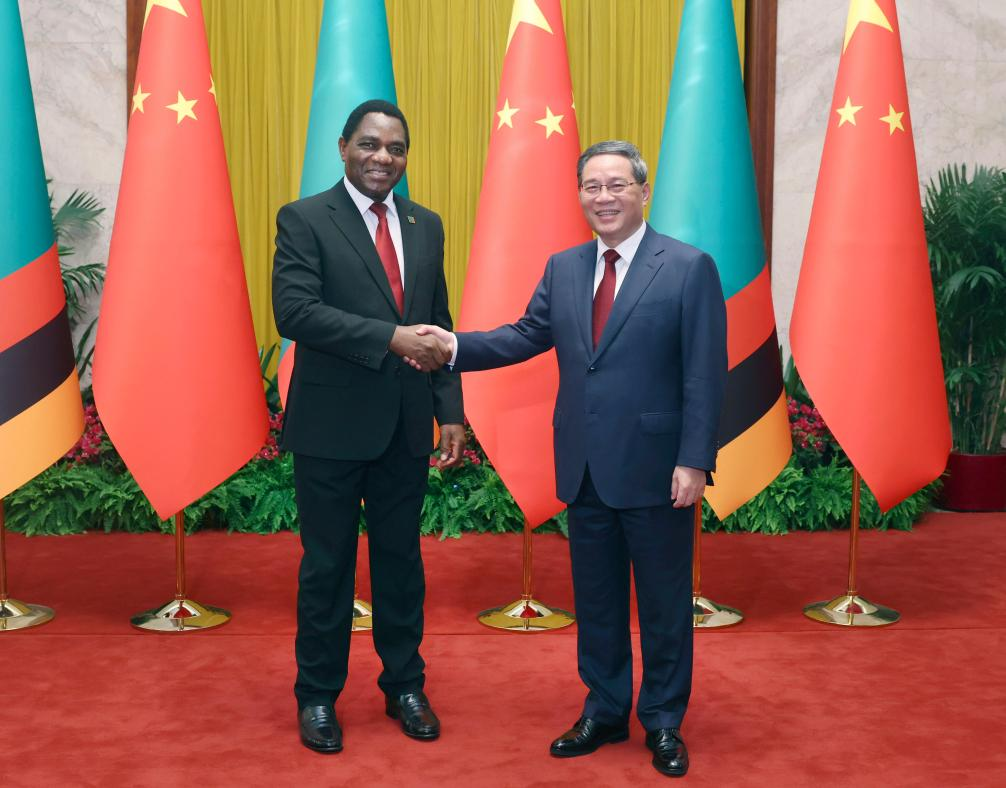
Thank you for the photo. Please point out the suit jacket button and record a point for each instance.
(592, 368)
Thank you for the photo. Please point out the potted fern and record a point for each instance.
(965, 222)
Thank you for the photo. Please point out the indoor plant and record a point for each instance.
(965, 222)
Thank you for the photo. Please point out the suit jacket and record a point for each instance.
(331, 296)
(649, 397)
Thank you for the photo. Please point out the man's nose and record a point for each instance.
(383, 154)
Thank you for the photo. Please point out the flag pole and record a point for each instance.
(180, 614)
(707, 614)
(15, 614)
(527, 614)
(850, 609)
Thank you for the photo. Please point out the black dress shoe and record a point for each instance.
(413, 710)
(319, 730)
(586, 736)
(670, 756)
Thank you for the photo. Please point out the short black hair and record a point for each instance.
(374, 105)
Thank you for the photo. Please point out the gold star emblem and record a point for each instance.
(138, 98)
(551, 123)
(506, 115)
(183, 107)
(526, 11)
(847, 113)
(864, 11)
(213, 88)
(893, 119)
(170, 5)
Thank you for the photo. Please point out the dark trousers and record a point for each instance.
(328, 501)
(657, 542)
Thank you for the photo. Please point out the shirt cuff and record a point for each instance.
(454, 353)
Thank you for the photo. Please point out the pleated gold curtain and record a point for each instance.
(447, 56)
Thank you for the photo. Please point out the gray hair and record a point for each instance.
(619, 148)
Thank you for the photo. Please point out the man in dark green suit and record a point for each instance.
(354, 267)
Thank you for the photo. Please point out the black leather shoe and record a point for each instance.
(670, 756)
(319, 730)
(586, 736)
(413, 710)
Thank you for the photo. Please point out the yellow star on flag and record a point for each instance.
(864, 11)
(893, 119)
(526, 11)
(213, 88)
(138, 98)
(506, 115)
(170, 5)
(847, 113)
(551, 123)
(183, 107)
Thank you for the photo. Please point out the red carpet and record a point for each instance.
(779, 700)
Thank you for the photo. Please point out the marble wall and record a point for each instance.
(77, 61)
(955, 64)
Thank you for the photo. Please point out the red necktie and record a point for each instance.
(605, 295)
(389, 258)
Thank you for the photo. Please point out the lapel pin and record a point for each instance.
(412, 219)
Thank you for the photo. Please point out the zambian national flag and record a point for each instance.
(40, 410)
(704, 195)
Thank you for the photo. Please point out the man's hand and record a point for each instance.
(442, 335)
(452, 444)
(425, 353)
(687, 486)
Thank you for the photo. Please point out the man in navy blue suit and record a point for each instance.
(638, 323)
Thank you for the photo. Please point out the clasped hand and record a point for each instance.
(421, 347)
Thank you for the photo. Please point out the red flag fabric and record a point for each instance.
(863, 331)
(176, 375)
(528, 209)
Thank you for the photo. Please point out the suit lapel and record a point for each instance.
(641, 271)
(583, 293)
(346, 217)
(410, 248)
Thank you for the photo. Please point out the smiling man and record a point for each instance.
(638, 324)
(354, 266)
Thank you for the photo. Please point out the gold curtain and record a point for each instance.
(447, 55)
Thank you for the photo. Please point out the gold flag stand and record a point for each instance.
(527, 614)
(15, 614)
(180, 614)
(707, 614)
(363, 614)
(850, 609)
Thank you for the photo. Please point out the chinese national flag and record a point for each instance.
(528, 209)
(176, 375)
(864, 323)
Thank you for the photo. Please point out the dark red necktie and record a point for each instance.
(605, 295)
(389, 258)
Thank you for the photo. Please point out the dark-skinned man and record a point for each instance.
(356, 268)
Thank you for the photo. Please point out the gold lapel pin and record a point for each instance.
(412, 219)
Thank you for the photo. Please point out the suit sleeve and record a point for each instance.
(704, 364)
(514, 342)
(298, 305)
(448, 406)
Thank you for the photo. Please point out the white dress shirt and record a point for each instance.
(363, 202)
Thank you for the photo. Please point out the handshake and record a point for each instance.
(423, 347)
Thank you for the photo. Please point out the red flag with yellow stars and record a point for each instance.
(528, 210)
(864, 323)
(176, 374)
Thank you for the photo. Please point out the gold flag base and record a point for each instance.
(363, 616)
(526, 615)
(706, 614)
(851, 610)
(19, 615)
(181, 615)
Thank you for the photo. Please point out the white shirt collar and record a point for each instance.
(628, 248)
(363, 202)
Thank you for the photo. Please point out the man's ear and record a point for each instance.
(342, 148)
